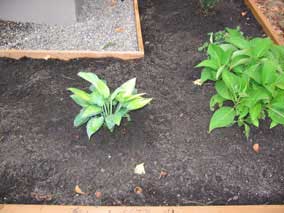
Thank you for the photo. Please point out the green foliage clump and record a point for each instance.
(216, 38)
(249, 81)
(208, 4)
(100, 107)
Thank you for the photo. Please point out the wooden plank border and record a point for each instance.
(67, 55)
(135, 209)
(264, 22)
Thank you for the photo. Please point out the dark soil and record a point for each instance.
(43, 157)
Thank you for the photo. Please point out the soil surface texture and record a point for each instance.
(103, 25)
(43, 158)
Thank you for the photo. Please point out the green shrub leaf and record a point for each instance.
(210, 63)
(216, 99)
(223, 117)
(255, 113)
(222, 90)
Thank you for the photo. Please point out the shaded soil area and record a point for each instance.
(43, 158)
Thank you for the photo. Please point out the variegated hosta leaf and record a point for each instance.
(93, 125)
(79, 119)
(81, 94)
(138, 103)
(79, 101)
(129, 86)
(126, 89)
(91, 110)
(97, 98)
(99, 84)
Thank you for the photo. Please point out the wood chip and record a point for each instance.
(79, 191)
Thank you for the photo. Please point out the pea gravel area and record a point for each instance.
(43, 157)
(103, 25)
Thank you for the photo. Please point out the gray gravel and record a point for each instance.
(96, 30)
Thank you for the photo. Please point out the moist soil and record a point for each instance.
(43, 158)
(273, 10)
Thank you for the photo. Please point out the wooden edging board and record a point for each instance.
(264, 22)
(67, 55)
(135, 209)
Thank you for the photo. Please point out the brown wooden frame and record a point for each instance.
(264, 22)
(135, 209)
(67, 55)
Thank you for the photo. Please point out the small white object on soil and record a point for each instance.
(139, 169)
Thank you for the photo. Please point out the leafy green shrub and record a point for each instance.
(208, 4)
(249, 80)
(102, 107)
(215, 38)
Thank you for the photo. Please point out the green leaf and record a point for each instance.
(138, 103)
(254, 73)
(216, 53)
(280, 82)
(276, 109)
(273, 124)
(100, 85)
(236, 63)
(128, 87)
(255, 113)
(239, 42)
(91, 110)
(97, 98)
(268, 73)
(222, 90)
(110, 122)
(81, 94)
(80, 120)
(132, 97)
(207, 74)
(241, 54)
(223, 117)
(79, 101)
(260, 46)
(232, 81)
(247, 131)
(93, 125)
(220, 71)
(210, 63)
(242, 110)
(216, 99)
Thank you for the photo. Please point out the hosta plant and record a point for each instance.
(249, 81)
(100, 107)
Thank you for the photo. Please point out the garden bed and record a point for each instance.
(43, 157)
(270, 14)
(103, 29)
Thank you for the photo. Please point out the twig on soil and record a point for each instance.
(66, 77)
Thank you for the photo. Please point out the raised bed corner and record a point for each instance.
(264, 22)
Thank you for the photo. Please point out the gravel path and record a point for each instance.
(103, 25)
